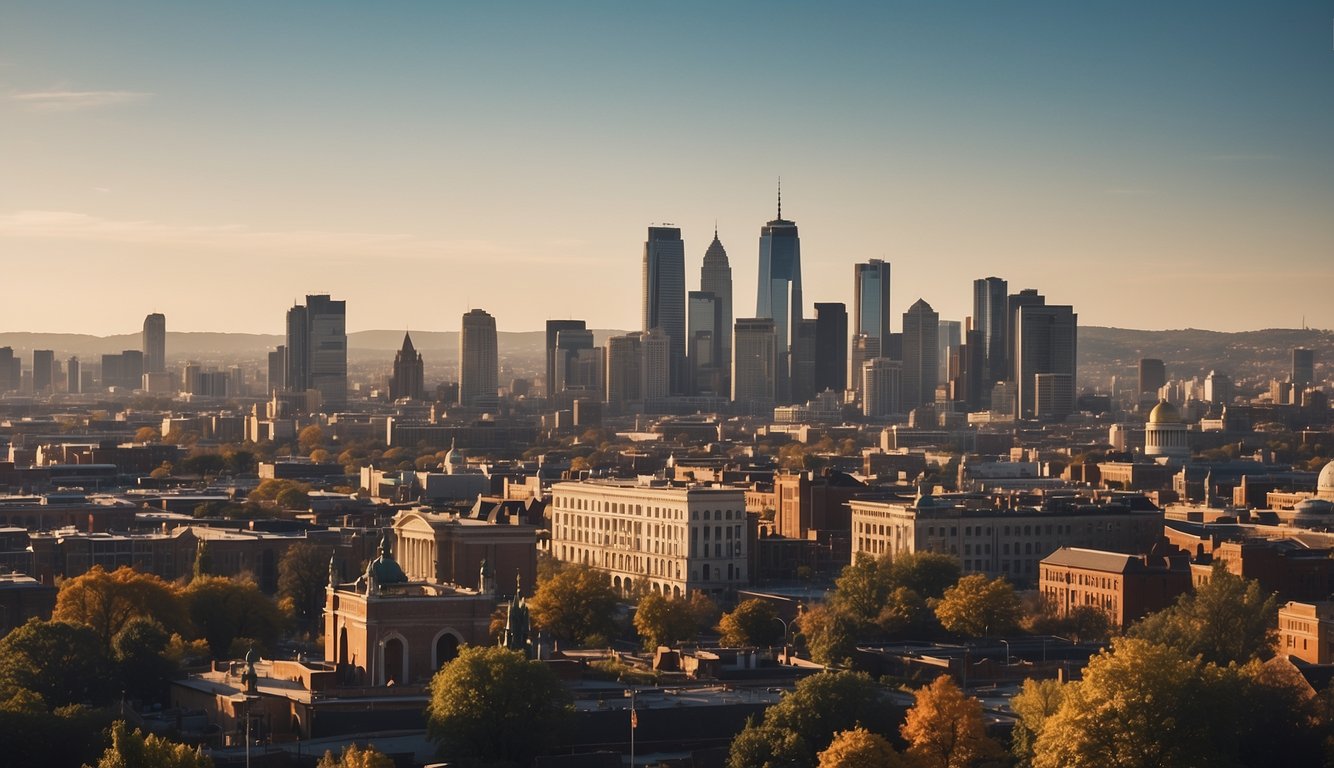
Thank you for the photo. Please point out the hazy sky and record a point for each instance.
(1156, 167)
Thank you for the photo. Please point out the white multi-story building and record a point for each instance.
(674, 539)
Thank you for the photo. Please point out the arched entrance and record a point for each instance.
(446, 649)
(395, 658)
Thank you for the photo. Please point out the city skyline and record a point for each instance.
(467, 146)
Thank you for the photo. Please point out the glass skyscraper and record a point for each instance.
(779, 296)
(665, 296)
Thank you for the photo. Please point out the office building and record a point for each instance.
(479, 365)
(754, 364)
(554, 327)
(1152, 375)
(317, 349)
(1218, 388)
(803, 361)
(882, 388)
(656, 368)
(625, 360)
(277, 378)
(1026, 297)
(704, 313)
(715, 276)
(920, 347)
(831, 347)
(863, 348)
(870, 299)
(665, 296)
(11, 370)
(1044, 342)
(1054, 395)
(73, 372)
(991, 321)
(1303, 367)
(43, 365)
(155, 343)
(949, 336)
(779, 294)
(406, 380)
(669, 540)
(574, 347)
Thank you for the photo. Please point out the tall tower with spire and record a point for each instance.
(406, 380)
(779, 294)
(715, 277)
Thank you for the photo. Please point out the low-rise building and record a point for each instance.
(1123, 587)
(1306, 631)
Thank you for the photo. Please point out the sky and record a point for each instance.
(1156, 167)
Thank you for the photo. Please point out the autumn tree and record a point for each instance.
(945, 728)
(224, 610)
(752, 622)
(1225, 619)
(62, 662)
(106, 602)
(859, 748)
(830, 636)
(576, 603)
(977, 606)
(303, 574)
(1035, 703)
(492, 706)
(135, 750)
(663, 620)
(310, 438)
(355, 757)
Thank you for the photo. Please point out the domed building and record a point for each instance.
(1324, 484)
(1166, 434)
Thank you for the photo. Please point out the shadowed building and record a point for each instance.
(831, 347)
(155, 343)
(779, 295)
(406, 381)
(664, 297)
(715, 277)
(479, 367)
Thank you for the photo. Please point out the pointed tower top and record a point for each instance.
(780, 198)
(407, 342)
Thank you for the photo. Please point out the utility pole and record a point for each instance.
(634, 723)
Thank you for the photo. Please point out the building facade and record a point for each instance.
(779, 294)
(664, 296)
(479, 363)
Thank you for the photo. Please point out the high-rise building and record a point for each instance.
(406, 380)
(882, 387)
(277, 370)
(1218, 388)
(803, 361)
(656, 369)
(754, 364)
(704, 315)
(1026, 297)
(43, 365)
(73, 382)
(1303, 367)
(863, 348)
(554, 327)
(131, 369)
(1044, 342)
(665, 296)
(576, 371)
(1152, 375)
(920, 347)
(1053, 395)
(949, 337)
(870, 299)
(625, 361)
(831, 346)
(11, 370)
(155, 343)
(990, 320)
(715, 276)
(479, 364)
(317, 349)
(966, 368)
(779, 295)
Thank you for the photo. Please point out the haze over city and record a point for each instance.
(1155, 167)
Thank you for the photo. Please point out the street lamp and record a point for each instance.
(1007, 652)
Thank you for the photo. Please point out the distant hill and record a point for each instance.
(1102, 351)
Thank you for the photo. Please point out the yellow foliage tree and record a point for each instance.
(106, 602)
(859, 748)
(945, 729)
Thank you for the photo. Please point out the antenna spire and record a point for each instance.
(780, 198)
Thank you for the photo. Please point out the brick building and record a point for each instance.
(1124, 587)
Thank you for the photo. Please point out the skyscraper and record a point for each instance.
(831, 346)
(920, 347)
(882, 387)
(1026, 297)
(665, 296)
(1044, 342)
(715, 276)
(479, 362)
(625, 361)
(1303, 367)
(779, 294)
(43, 364)
(802, 379)
(655, 371)
(870, 299)
(1152, 375)
(950, 337)
(155, 343)
(990, 320)
(11, 370)
(73, 374)
(754, 364)
(406, 380)
(317, 349)
(703, 312)
(574, 366)
(277, 370)
(554, 327)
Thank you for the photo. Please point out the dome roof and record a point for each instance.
(384, 569)
(1313, 507)
(1325, 483)
(1164, 413)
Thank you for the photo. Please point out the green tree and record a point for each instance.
(862, 589)
(859, 748)
(904, 610)
(139, 652)
(223, 610)
(752, 622)
(106, 602)
(977, 606)
(203, 464)
(135, 750)
(310, 438)
(575, 603)
(928, 574)
(830, 636)
(492, 706)
(1037, 701)
(30, 734)
(354, 757)
(1226, 619)
(824, 704)
(945, 729)
(759, 746)
(303, 574)
(292, 498)
(663, 620)
(62, 662)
